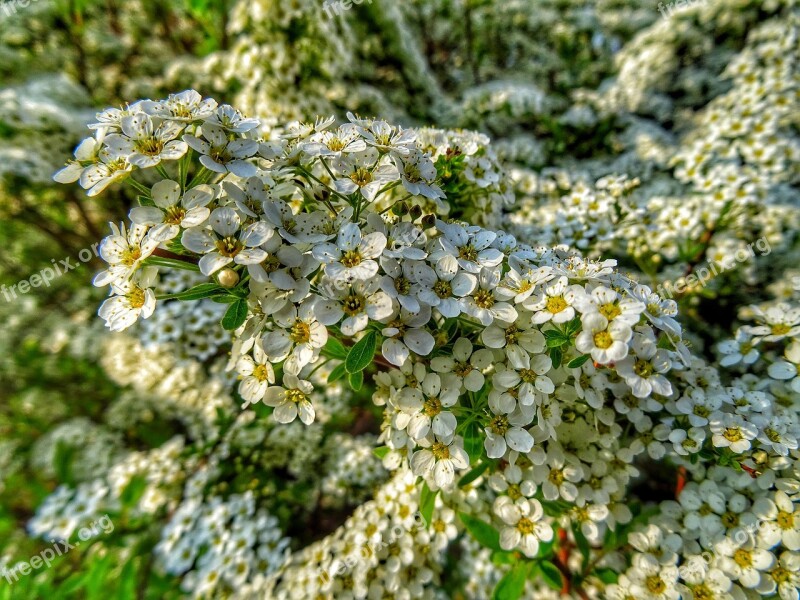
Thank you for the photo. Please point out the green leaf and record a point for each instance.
(381, 451)
(551, 575)
(512, 585)
(556, 342)
(427, 500)
(170, 263)
(133, 492)
(356, 380)
(582, 543)
(334, 349)
(235, 315)
(337, 373)
(198, 292)
(473, 474)
(362, 353)
(555, 356)
(607, 576)
(473, 442)
(486, 535)
(578, 362)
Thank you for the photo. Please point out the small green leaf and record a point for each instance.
(381, 451)
(551, 575)
(555, 356)
(582, 543)
(235, 315)
(555, 342)
(487, 535)
(607, 576)
(334, 349)
(338, 372)
(198, 292)
(473, 474)
(356, 380)
(362, 353)
(512, 585)
(578, 362)
(427, 501)
(473, 442)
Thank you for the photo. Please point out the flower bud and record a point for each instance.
(228, 278)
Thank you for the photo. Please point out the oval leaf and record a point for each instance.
(235, 315)
(362, 353)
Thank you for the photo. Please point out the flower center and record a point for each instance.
(443, 289)
(468, 252)
(353, 304)
(556, 304)
(136, 297)
(295, 395)
(361, 177)
(150, 146)
(351, 258)
(512, 335)
(499, 425)
(300, 332)
(643, 368)
(743, 558)
(131, 255)
(174, 215)
(525, 526)
(402, 285)
(603, 340)
(556, 477)
(785, 520)
(462, 369)
(655, 585)
(484, 299)
(733, 434)
(432, 407)
(440, 451)
(261, 373)
(780, 329)
(610, 311)
(229, 246)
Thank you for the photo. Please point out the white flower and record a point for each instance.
(464, 366)
(519, 339)
(357, 304)
(124, 250)
(440, 459)
(425, 406)
(528, 380)
(643, 371)
(732, 431)
(226, 247)
(743, 562)
(228, 118)
(780, 521)
(558, 476)
(131, 299)
(353, 256)
(94, 166)
(611, 305)
(444, 287)
(471, 248)
(778, 322)
(788, 369)
(145, 142)
(418, 173)
(482, 303)
(221, 154)
(298, 333)
(505, 431)
(291, 399)
(405, 333)
(335, 143)
(606, 342)
(191, 212)
(186, 106)
(525, 525)
(256, 373)
(741, 349)
(360, 175)
(554, 303)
